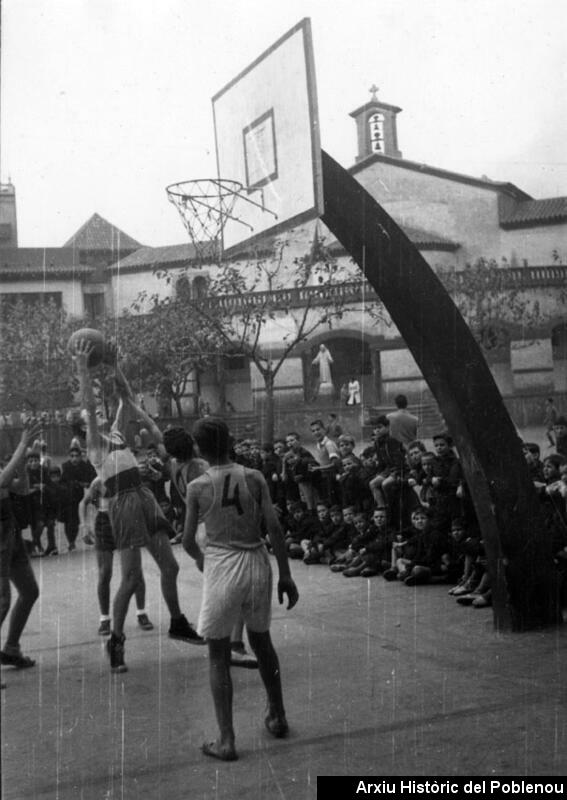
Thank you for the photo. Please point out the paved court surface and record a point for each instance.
(379, 679)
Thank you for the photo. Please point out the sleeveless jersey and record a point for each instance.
(234, 517)
(119, 469)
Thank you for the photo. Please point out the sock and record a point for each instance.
(140, 611)
(104, 617)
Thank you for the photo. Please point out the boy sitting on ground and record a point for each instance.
(302, 527)
(375, 555)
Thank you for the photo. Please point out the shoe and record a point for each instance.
(16, 660)
(104, 628)
(183, 630)
(368, 572)
(482, 602)
(176, 539)
(240, 657)
(412, 580)
(88, 539)
(51, 551)
(71, 548)
(115, 650)
(467, 599)
(458, 591)
(144, 622)
(390, 575)
(352, 572)
(337, 567)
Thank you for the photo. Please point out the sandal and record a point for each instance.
(16, 660)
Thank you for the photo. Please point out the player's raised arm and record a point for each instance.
(29, 433)
(81, 353)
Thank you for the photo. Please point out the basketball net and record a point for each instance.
(205, 205)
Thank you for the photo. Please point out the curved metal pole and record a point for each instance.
(518, 551)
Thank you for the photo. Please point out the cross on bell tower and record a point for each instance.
(376, 128)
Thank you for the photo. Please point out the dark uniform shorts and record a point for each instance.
(12, 548)
(104, 540)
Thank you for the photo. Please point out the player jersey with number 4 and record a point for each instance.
(234, 517)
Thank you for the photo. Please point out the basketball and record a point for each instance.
(95, 338)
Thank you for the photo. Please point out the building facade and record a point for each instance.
(455, 220)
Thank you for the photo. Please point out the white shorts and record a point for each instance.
(237, 584)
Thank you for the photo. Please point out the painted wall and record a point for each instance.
(460, 212)
(535, 245)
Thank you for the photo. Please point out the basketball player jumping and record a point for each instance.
(136, 518)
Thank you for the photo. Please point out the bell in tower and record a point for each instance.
(376, 128)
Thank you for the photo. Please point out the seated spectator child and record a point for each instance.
(414, 453)
(464, 549)
(532, 454)
(297, 476)
(390, 462)
(271, 469)
(428, 553)
(255, 454)
(315, 552)
(241, 449)
(437, 495)
(447, 475)
(360, 538)
(553, 503)
(346, 445)
(302, 527)
(368, 468)
(353, 487)
(560, 433)
(422, 554)
(338, 538)
(375, 555)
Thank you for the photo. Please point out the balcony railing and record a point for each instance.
(361, 290)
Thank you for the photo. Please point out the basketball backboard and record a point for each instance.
(267, 138)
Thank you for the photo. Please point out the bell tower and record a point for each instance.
(376, 128)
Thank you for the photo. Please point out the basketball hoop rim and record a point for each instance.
(218, 186)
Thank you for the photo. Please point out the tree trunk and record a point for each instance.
(177, 401)
(268, 416)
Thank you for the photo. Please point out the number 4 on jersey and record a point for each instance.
(227, 500)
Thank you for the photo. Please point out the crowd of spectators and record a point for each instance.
(392, 508)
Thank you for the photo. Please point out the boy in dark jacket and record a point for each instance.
(76, 475)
